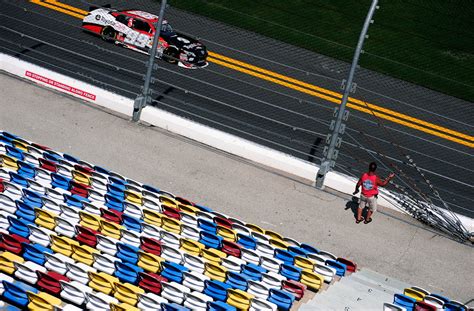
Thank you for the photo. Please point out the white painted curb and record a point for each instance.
(193, 130)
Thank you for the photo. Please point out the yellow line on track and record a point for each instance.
(339, 96)
(57, 8)
(67, 6)
(337, 101)
(303, 87)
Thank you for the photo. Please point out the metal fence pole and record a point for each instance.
(330, 152)
(144, 98)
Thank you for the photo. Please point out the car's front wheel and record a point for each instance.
(171, 55)
(108, 34)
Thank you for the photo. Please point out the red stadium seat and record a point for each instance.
(423, 306)
(79, 189)
(150, 245)
(49, 282)
(12, 243)
(48, 165)
(151, 282)
(224, 222)
(111, 215)
(231, 248)
(87, 236)
(294, 287)
(171, 212)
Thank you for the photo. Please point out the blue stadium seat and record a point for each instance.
(15, 293)
(404, 301)
(283, 299)
(173, 271)
(340, 267)
(246, 241)
(207, 225)
(116, 190)
(285, 256)
(216, 289)
(58, 181)
(298, 251)
(18, 179)
(14, 152)
(127, 253)
(127, 272)
(210, 240)
(74, 200)
(19, 226)
(253, 271)
(35, 253)
(70, 158)
(237, 280)
(220, 306)
(25, 211)
(132, 223)
(26, 170)
(32, 198)
(291, 272)
(114, 202)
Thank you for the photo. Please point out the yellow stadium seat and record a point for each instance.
(227, 233)
(304, 263)
(152, 217)
(279, 243)
(413, 293)
(274, 235)
(239, 299)
(255, 228)
(89, 220)
(42, 301)
(81, 178)
(7, 260)
(8, 162)
(102, 282)
(110, 229)
(311, 279)
(127, 293)
(84, 254)
(213, 255)
(171, 224)
(133, 197)
(122, 307)
(149, 262)
(23, 146)
(215, 271)
(189, 209)
(168, 201)
(45, 218)
(191, 247)
(62, 245)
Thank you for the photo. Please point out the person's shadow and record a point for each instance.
(353, 205)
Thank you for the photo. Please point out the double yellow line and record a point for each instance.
(304, 87)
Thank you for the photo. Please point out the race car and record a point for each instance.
(134, 29)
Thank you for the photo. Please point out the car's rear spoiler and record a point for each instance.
(105, 6)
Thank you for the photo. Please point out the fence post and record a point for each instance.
(144, 98)
(337, 126)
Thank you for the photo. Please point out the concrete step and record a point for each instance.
(363, 290)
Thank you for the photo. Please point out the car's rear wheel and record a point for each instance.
(171, 55)
(108, 34)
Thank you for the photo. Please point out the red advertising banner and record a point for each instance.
(59, 85)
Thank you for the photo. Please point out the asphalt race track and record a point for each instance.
(243, 99)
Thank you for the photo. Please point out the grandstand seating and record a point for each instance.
(74, 235)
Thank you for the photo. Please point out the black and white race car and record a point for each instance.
(135, 29)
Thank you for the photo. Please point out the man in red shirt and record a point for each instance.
(370, 183)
